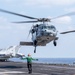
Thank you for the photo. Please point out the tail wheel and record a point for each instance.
(54, 43)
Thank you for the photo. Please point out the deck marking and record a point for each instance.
(12, 72)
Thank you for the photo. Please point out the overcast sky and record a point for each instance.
(12, 34)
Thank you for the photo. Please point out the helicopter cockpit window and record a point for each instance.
(49, 27)
(44, 27)
(53, 28)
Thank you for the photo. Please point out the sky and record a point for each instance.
(11, 34)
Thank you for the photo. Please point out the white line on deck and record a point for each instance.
(12, 72)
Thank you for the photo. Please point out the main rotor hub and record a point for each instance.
(44, 20)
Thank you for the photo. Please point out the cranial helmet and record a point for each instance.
(29, 55)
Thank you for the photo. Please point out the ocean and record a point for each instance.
(49, 60)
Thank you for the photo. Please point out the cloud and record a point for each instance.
(7, 1)
(3, 19)
(63, 2)
(42, 2)
(48, 2)
(71, 28)
(70, 9)
(63, 20)
(39, 3)
(12, 30)
(6, 25)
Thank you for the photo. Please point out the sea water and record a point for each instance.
(49, 60)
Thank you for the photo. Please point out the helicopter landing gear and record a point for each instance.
(35, 50)
(35, 44)
(54, 42)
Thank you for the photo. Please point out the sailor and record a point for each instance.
(29, 62)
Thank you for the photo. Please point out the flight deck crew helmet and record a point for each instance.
(29, 55)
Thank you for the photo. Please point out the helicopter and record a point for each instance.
(42, 33)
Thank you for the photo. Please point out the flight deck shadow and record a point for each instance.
(12, 67)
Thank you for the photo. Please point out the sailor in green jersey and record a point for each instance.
(29, 62)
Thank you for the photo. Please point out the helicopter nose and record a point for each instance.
(46, 32)
(50, 34)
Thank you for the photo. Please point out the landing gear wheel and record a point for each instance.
(35, 50)
(35, 43)
(54, 43)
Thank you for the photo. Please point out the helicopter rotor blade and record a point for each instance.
(69, 14)
(37, 19)
(26, 22)
(67, 32)
(1, 10)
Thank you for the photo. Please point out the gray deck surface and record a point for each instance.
(20, 68)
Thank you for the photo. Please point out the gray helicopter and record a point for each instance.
(42, 33)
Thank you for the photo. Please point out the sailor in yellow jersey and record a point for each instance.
(29, 62)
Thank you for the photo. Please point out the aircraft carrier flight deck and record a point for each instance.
(20, 68)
